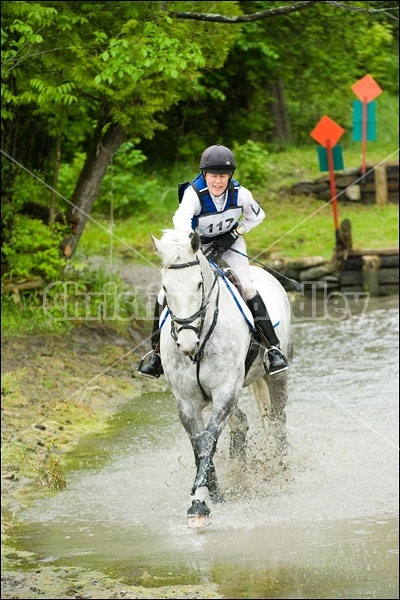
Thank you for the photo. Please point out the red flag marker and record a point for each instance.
(328, 133)
(366, 89)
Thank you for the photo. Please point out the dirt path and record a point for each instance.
(55, 391)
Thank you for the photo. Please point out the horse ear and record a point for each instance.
(155, 242)
(195, 242)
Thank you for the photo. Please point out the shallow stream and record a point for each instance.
(326, 528)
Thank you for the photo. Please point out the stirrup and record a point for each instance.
(141, 365)
(266, 365)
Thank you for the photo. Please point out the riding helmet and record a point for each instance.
(217, 159)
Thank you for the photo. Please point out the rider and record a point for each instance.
(212, 205)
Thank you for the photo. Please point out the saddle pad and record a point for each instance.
(271, 303)
(240, 303)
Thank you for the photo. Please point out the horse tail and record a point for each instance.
(260, 390)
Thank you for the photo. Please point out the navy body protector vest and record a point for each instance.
(207, 205)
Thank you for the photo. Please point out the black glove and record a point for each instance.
(224, 242)
(213, 254)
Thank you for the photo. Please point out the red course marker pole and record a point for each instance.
(333, 191)
(327, 133)
(364, 136)
(366, 89)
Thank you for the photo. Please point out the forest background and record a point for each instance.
(106, 106)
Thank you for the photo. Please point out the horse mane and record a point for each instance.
(175, 246)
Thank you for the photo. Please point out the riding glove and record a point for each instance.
(224, 242)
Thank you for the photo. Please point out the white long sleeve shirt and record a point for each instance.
(190, 206)
(252, 216)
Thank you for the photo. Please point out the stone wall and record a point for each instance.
(379, 185)
(372, 271)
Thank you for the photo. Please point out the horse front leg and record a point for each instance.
(203, 444)
(206, 476)
(205, 484)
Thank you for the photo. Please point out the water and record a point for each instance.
(326, 528)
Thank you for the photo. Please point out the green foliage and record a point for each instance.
(124, 190)
(89, 294)
(80, 294)
(252, 161)
(26, 189)
(127, 56)
(68, 176)
(72, 69)
(298, 66)
(33, 249)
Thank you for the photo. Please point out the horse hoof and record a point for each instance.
(198, 515)
(198, 522)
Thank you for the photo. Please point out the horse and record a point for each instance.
(209, 352)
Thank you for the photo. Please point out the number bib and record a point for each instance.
(217, 223)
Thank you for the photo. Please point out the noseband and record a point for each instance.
(186, 323)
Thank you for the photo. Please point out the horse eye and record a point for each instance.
(199, 285)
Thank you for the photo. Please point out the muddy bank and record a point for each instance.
(57, 390)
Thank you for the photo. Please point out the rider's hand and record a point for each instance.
(224, 242)
(213, 254)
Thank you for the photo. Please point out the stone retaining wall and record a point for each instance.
(379, 185)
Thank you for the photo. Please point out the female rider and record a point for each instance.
(221, 211)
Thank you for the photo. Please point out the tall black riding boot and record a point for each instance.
(277, 360)
(152, 367)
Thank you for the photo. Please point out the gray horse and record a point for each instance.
(209, 352)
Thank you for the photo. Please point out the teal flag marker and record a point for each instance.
(337, 157)
(358, 121)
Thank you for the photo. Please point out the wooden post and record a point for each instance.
(345, 233)
(370, 274)
(381, 191)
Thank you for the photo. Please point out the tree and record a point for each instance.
(115, 67)
(284, 72)
(86, 76)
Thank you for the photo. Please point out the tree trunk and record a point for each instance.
(98, 158)
(281, 132)
(57, 161)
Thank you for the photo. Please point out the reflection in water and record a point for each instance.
(326, 528)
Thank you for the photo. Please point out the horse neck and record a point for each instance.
(208, 274)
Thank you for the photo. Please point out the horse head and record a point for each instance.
(183, 284)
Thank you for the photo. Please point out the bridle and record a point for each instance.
(178, 323)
